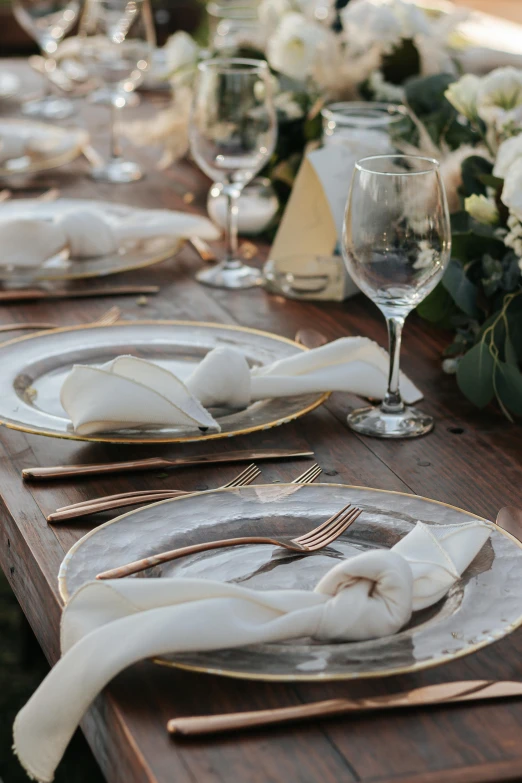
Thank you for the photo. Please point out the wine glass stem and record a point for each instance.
(392, 402)
(115, 151)
(232, 194)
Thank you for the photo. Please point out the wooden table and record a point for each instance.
(472, 460)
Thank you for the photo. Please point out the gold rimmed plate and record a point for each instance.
(132, 254)
(483, 606)
(35, 367)
(50, 146)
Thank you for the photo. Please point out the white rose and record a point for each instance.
(512, 190)
(286, 103)
(181, 51)
(463, 95)
(499, 91)
(270, 13)
(413, 19)
(295, 46)
(482, 209)
(508, 152)
(366, 24)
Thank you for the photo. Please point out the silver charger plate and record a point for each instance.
(35, 367)
(132, 254)
(483, 606)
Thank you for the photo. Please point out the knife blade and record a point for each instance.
(36, 294)
(443, 693)
(154, 463)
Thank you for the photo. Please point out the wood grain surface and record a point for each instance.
(472, 460)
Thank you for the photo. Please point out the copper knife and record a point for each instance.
(155, 463)
(444, 693)
(38, 294)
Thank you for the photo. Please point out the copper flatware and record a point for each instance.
(107, 319)
(37, 294)
(203, 250)
(445, 693)
(310, 338)
(123, 499)
(509, 519)
(315, 539)
(246, 476)
(154, 463)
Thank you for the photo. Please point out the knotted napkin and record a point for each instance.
(131, 392)
(110, 625)
(88, 233)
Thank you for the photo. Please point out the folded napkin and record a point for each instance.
(13, 146)
(88, 233)
(107, 626)
(99, 399)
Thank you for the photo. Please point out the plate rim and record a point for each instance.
(311, 677)
(82, 138)
(321, 398)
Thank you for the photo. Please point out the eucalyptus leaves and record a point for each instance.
(480, 297)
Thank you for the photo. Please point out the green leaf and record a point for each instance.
(437, 307)
(510, 355)
(473, 169)
(426, 94)
(508, 381)
(461, 290)
(492, 182)
(475, 375)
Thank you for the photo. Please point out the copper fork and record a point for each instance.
(247, 476)
(315, 539)
(107, 502)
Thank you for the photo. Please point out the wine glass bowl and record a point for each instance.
(47, 22)
(232, 136)
(396, 246)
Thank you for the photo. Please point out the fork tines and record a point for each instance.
(331, 529)
(309, 475)
(246, 476)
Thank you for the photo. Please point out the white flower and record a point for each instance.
(383, 90)
(463, 95)
(482, 209)
(512, 190)
(499, 91)
(296, 44)
(514, 238)
(181, 51)
(508, 152)
(270, 13)
(365, 24)
(413, 19)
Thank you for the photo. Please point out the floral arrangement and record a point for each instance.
(368, 50)
(474, 126)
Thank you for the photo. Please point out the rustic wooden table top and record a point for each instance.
(471, 460)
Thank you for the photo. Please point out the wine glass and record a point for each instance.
(232, 135)
(118, 40)
(396, 246)
(47, 21)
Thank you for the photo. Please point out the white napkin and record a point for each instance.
(88, 233)
(129, 392)
(97, 399)
(108, 626)
(13, 146)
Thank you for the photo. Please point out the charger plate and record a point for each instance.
(35, 367)
(483, 606)
(65, 144)
(132, 254)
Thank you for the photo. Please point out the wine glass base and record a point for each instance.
(409, 423)
(117, 171)
(226, 276)
(49, 108)
(105, 96)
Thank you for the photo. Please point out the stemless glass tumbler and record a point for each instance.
(232, 135)
(396, 246)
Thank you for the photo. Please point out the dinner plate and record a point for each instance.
(35, 367)
(62, 145)
(483, 606)
(132, 254)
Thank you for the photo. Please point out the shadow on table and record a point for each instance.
(22, 668)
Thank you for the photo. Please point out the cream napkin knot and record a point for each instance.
(107, 626)
(97, 400)
(87, 233)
